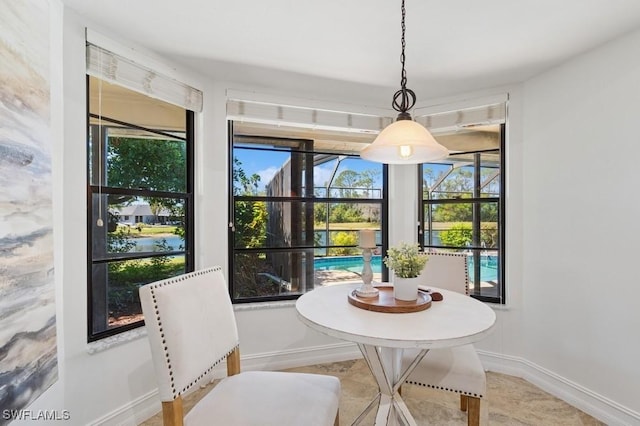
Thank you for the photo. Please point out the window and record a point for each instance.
(298, 200)
(140, 201)
(463, 205)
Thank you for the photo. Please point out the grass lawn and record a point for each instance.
(147, 231)
(158, 229)
(171, 262)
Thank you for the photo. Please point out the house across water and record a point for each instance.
(141, 213)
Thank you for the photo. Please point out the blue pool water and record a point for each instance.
(488, 265)
(348, 263)
(488, 268)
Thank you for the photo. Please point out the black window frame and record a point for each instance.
(307, 198)
(476, 201)
(187, 196)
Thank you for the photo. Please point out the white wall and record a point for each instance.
(117, 385)
(581, 227)
(567, 315)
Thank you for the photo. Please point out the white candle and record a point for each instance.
(367, 238)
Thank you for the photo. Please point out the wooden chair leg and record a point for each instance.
(464, 401)
(233, 362)
(473, 416)
(337, 420)
(172, 412)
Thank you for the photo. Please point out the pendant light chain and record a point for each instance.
(404, 99)
(403, 79)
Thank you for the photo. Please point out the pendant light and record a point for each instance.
(404, 141)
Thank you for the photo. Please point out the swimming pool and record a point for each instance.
(346, 263)
(488, 268)
(488, 265)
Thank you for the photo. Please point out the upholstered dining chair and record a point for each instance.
(456, 369)
(191, 327)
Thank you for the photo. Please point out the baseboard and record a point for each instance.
(292, 358)
(301, 356)
(596, 405)
(132, 413)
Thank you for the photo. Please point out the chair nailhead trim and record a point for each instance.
(466, 265)
(167, 356)
(197, 379)
(443, 388)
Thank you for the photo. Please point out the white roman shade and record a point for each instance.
(114, 68)
(254, 108)
(482, 112)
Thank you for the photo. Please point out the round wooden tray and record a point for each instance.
(385, 302)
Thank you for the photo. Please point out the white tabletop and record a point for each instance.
(456, 320)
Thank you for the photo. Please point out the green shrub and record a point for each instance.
(459, 234)
(344, 238)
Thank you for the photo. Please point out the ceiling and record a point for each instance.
(453, 46)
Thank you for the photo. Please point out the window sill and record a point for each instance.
(112, 341)
(498, 306)
(258, 306)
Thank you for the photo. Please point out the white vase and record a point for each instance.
(405, 288)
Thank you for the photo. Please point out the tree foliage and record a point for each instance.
(368, 178)
(251, 224)
(251, 272)
(352, 184)
(243, 184)
(345, 213)
(320, 212)
(346, 182)
(154, 164)
(250, 217)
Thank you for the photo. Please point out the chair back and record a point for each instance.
(191, 328)
(447, 271)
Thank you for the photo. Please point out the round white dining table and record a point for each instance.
(382, 337)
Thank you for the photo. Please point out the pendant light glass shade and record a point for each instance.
(404, 142)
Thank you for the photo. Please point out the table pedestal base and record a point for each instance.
(386, 365)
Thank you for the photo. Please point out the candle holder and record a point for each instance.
(367, 289)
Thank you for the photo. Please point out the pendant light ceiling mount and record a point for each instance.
(404, 141)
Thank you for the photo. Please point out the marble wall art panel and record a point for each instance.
(28, 358)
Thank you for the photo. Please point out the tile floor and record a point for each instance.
(510, 401)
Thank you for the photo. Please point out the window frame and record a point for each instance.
(232, 250)
(501, 226)
(187, 196)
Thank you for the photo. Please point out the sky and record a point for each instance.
(267, 163)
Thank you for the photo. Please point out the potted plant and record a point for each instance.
(407, 263)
